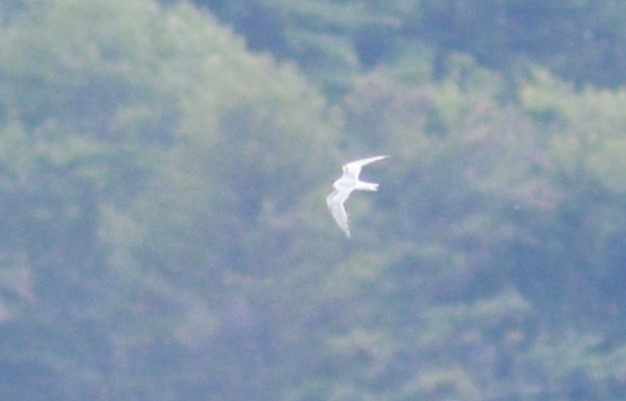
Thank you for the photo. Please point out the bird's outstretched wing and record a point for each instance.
(353, 169)
(335, 203)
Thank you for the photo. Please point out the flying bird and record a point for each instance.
(349, 182)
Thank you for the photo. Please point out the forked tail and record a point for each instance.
(366, 186)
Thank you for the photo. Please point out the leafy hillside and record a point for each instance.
(163, 174)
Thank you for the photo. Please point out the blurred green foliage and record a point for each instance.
(163, 168)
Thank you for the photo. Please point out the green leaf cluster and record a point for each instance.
(162, 220)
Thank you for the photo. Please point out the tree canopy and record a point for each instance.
(163, 170)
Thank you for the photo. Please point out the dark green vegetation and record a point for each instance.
(164, 234)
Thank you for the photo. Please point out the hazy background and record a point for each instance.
(163, 173)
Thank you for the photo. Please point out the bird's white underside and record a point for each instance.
(344, 186)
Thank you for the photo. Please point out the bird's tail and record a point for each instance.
(366, 186)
